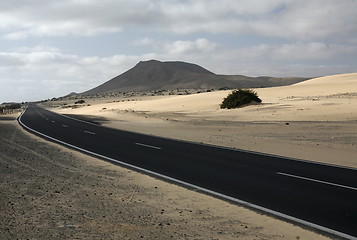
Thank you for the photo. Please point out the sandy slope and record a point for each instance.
(323, 86)
(50, 192)
(321, 113)
(331, 98)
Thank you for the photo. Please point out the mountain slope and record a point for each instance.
(156, 75)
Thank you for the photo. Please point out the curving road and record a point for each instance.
(317, 195)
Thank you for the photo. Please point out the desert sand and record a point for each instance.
(313, 120)
(51, 192)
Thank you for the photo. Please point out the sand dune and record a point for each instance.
(314, 120)
(323, 86)
(331, 98)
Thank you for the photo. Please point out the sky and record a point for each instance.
(49, 48)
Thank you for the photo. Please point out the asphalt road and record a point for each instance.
(301, 191)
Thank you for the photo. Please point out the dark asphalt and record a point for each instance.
(320, 194)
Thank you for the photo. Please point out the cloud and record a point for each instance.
(190, 47)
(51, 68)
(312, 51)
(298, 19)
(307, 52)
(44, 74)
(144, 42)
(41, 72)
(10, 60)
(251, 37)
(22, 19)
(178, 47)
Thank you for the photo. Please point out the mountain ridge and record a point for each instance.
(156, 75)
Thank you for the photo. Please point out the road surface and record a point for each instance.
(318, 195)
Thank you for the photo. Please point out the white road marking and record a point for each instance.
(79, 120)
(319, 181)
(144, 145)
(53, 121)
(64, 126)
(89, 132)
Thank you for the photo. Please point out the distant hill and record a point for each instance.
(155, 75)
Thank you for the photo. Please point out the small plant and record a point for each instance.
(80, 102)
(239, 98)
(9, 108)
(13, 106)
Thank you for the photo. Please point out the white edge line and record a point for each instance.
(315, 180)
(149, 146)
(79, 120)
(204, 190)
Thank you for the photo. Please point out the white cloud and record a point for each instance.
(21, 19)
(298, 19)
(178, 47)
(44, 72)
(183, 47)
(10, 60)
(144, 42)
(295, 52)
(288, 37)
(312, 51)
(205, 45)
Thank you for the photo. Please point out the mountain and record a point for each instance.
(156, 75)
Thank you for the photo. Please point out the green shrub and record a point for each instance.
(9, 107)
(239, 98)
(13, 106)
(80, 102)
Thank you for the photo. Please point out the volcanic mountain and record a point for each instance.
(156, 75)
